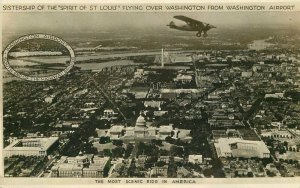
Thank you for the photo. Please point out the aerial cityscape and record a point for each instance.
(155, 102)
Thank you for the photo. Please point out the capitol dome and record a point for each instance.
(140, 122)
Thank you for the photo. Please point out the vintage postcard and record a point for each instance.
(158, 93)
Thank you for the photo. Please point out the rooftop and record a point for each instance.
(240, 148)
(116, 128)
(32, 144)
(165, 128)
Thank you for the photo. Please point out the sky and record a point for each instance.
(23, 23)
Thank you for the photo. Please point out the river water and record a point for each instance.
(24, 64)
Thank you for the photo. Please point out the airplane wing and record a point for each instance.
(190, 21)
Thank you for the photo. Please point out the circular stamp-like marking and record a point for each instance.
(38, 36)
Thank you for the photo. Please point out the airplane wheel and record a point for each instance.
(198, 34)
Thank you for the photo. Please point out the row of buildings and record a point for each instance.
(146, 132)
(80, 166)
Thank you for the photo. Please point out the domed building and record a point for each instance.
(143, 132)
(140, 121)
(140, 129)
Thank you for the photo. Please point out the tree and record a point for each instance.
(118, 152)
(270, 174)
(104, 139)
(179, 142)
(169, 139)
(236, 174)
(150, 113)
(176, 151)
(156, 142)
(163, 152)
(172, 168)
(131, 169)
(89, 148)
(150, 162)
(282, 150)
(118, 142)
(128, 150)
(250, 174)
(148, 149)
(207, 172)
(161, 163)
(107, 153)
(217, 168)
(100, 124)
(106, 169)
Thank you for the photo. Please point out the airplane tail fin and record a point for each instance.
(171, 24)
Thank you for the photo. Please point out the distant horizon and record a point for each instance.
(96, 22)
(131, 27)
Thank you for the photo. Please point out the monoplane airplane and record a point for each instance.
(191, 25)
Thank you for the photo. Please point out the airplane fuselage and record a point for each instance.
(191, 25)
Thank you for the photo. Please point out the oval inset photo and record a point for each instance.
(38, 57)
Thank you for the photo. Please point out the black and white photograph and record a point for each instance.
(139, 95)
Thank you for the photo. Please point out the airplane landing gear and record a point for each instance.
(198, 34)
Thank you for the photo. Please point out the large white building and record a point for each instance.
(236, 147)
(31, 147)
(88, 165)
(142, 131)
